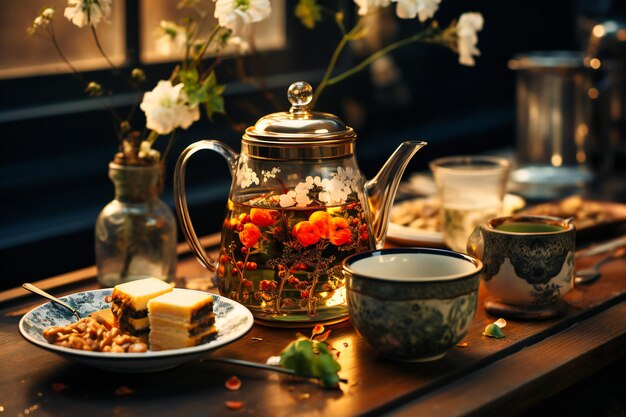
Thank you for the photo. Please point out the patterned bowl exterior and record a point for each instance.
(532, 269)
(412, 321)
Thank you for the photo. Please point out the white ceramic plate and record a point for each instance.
(232, 320)
(418, 237)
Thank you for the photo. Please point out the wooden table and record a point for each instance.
(487, 377)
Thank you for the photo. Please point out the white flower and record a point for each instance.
(324, 197)
(172, 38)
(366, 6)
(241, 45)
(270, 174)
(288, 199)
(87, 12)
(43, 20)
(246, 176)
(337, 192)
(302, 193)
(469, 24)
(408, 9)
(166, 108)
(232, 13)
(48, 13)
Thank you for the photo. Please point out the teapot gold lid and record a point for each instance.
(299, 133)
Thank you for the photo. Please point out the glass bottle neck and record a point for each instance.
(135, 184)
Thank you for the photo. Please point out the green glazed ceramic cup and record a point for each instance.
(412, 304)
(529, 260)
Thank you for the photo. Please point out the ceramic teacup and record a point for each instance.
(529, 261)
(412, 304)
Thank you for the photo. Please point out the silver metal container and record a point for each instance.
(605, 52)
(553, 117)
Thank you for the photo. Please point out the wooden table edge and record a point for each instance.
(564, 356)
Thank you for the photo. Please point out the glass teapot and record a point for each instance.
(298, 206)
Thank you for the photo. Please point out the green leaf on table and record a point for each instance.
(310, 358)
(493, 330)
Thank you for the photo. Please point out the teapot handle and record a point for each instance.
(179, 193)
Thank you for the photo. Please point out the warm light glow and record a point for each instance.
(557, 160)
(593, 93)
(513, 64)
(321, 131)
(339, 298)
(581, 157)
(598, 31)
(621, 35)
(595, 63)
(581, 130)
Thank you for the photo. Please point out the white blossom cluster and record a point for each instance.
(270, 174)
(469, 24)
(467, 27)
(335, 190)
(171, 38)
(245, 175)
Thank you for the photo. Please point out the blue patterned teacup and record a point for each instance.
(412, 304)
(529, 260)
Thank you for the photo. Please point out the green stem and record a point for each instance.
(53, 39)
(418, 37)
(152, 136)
(170, 141)
(241, 277)
(331, 65)
(200, 54)
(115, 69)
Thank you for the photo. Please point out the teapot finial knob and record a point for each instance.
(300, 95)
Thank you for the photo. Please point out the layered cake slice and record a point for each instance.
(130, 303)
(181, 319)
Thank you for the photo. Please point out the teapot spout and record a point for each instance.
(381, 190)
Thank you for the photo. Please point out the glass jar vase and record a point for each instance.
(136, 232)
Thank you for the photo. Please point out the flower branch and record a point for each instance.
(459, 36)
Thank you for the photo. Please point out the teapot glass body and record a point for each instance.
(288, 228)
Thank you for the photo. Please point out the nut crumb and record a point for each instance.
(233, 383)
(124, 390)
(59, 386)
(234, 405)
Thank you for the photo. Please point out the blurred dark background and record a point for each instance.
(56, 143)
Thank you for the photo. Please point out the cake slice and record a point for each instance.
(130, 303)
(181, 319)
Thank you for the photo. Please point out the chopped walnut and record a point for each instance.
(91, 335)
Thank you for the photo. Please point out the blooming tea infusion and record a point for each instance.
(279, 260)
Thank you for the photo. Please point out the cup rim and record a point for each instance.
(415, 250)
(553, 220)
(499, 164)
